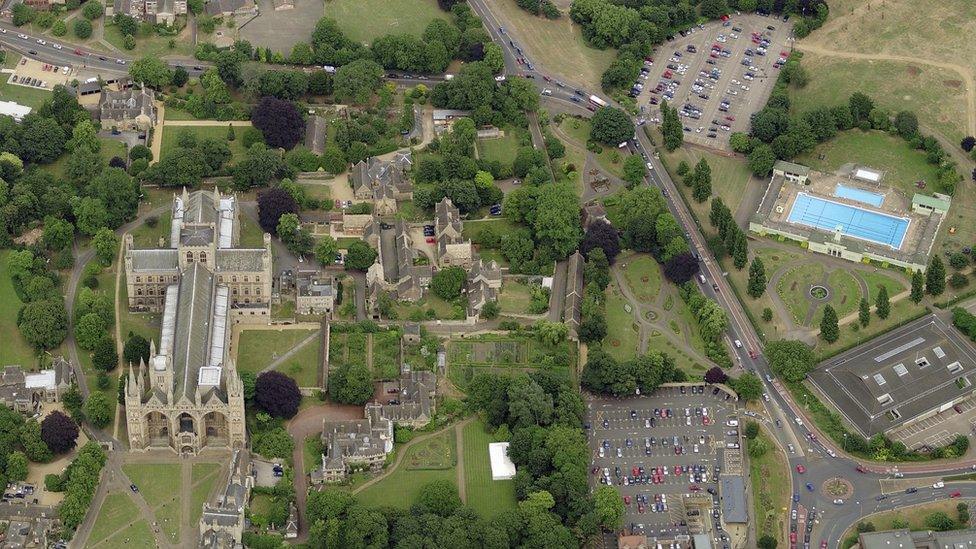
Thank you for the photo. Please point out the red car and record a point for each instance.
(823, 544)
(784, 54)
(78, 52)
(713, 55)
(430, 240)
(860, 469)
(732, 119)
(792, 537)
(627, 500)
(801, 469)
(640, 508)
(634, 471)
(695, 488)
(752, 353)
(955, 494)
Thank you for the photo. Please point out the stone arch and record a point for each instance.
(215, 429)
(186, 423)
(203, 257)
(157, 428)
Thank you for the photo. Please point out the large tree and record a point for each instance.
(935, 276)
(136, 349)
(790, 358)
(151, 71)
(829, 330)
(882, 305)
(272, 204)
(105, 357)
(59, 432)
(439, 497)
(918, 285)
(277, 394)
(609, 507)
(757, 278)
(601, 235)
(359, 256)
(355, 82)
(44, 324)
(747, 386)
(611, 126)
(681, 268)
(448, 282)
(325, 250)
(280, 121)
(715, 375)
(864, 312)
(98, 409)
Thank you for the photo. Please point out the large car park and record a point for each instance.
(716, 75)
(659, 448)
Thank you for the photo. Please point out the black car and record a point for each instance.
(133, 487)
(101, 58)
(32, 52)
(911, 490)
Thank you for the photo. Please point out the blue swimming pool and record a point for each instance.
(855, 222)
(860, 195)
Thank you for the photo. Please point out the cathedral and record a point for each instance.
(189, 396)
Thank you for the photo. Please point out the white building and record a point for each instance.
(14, 110)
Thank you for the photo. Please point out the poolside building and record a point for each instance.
(850, 215)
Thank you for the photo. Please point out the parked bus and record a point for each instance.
(597, 101)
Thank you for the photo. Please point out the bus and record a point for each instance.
(597, 101)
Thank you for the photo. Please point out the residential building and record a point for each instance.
(343, 225)
(25, 392)
(314, 294)
(383, 182)
(28, 526)
(395, 270)
(315, 133)
(452, 249)
(131, 109)
(574, 294)
(414, 402)
(222, 522)
(484, 282)
(231, 8)
(189, 395)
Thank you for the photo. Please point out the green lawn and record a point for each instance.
(643, 275)
(149, 44)
(117, 510)
(401, 487)
(366, 20)
(876, 280)
(27, 96)
(205, 476)
(730, 178)
(252, 235)
(443, 310)
(145, 236)
(435, 452)
(514, 297)
(769, 475)
(610, 158)
(500, 225)
(386, 355)
(903, 166)
(317, 191)
(845, 296)
(157, 482)
(258, 348)
(501, 354)
(622, 340)
(169, 518)
(312, 451)
(136, 536)
(793, 286)
(15, 349)
(106, 283)
(304, 365)
(110, 148)
(901, 311)
(171, 133)
(502, 149)
(486, 496)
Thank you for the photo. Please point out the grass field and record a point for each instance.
(317, 192)
(935, 94)
(903, 166)
(514, 297)
(137, 536)
(793, 286)
(150, 44)
(556, 45)
(901, 311)
(117, 510)
(366, 20)
(845, 295)
(401, 487)
(643, 275)
(30, 97)
(258, 348)
(15, 349)
(502, 149)
(769, 475)
(386, 354)
(622, 341)
(914, 515)
(435, 452)
(443, 310)
(730, 179)
(486, 496)
(578, 129)
(156, 481)
(500, 225)
(145, 236)
(876, 280)
(304, 365)
(110, 148)
(505, 354)
(171, 133)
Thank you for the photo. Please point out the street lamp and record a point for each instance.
(845, 442)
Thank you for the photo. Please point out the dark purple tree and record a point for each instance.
(116, 162)
(968, 143)
(59, 432)
(280, 121)
(602, 235)
(715, 375)
(277, 394)
(681, 268)
(272, 204)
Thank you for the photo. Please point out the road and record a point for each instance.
(781, 411)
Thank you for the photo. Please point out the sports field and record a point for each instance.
(486, 496)
(556, 45)
(365, 20)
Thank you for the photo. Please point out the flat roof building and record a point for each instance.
(14, 110)
(901, 377)
(502, 467)
(732, 490)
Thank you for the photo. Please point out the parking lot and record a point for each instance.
(658, 449)
(36, 74)
(716, 75)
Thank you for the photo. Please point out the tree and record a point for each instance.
(17, 466)
(82, 28)
(935, 276)
(790, 359)
(333, 161)
(491, 310)
(681, 268)
(757, 278)
(150, 71)
(609, 507)
(43, 324)
(702, 181)
(355, 82)
(34, 446)
(767, 542)
(938, 521)
(968, 143)
(447, 283)
(634, 170)
(59, 432)
(740, 250)
(906, 123)
(277, 394)
(713, 9)
(864, 312)
(106, 245)
(89, 329)
(136, 349)
(601, 235)
(126, 23)
(767, 314)
(748, 386)
(352, 383)
(325, 250)
(439, 497)
(918, 281)
(715, 375)
(258, 168)
(297, 239)
(92, 10)
(105, 358)
(98, 410)
(671, 127)
(593, 328)
(829, 330)
(359, 256)
(59, 28)
(861, 106)
(280, 122)
(752, 430)
(272, 204)
(228, 64)
(761, 160)
(882, 305)
(611, 126)
(42, 139)
(58, 233)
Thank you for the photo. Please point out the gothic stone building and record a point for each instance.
(189, 395)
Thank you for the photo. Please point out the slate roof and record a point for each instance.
(196, 236)
(193, 314)
(733, 492)
(240, 260)
(315, 132)
(164, 259)
(200, 208)
(127, 104)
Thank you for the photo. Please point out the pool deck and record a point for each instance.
(837, 213)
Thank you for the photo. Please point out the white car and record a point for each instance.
(23, 36)
(938, 485)
(3, 31)
(547, 91)
(120, 61)
(57, 46)
(41, 42)
(838, 502)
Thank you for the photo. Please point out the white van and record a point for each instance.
(798, 421)
(701, 278)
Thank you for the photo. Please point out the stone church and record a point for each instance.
(189, 395)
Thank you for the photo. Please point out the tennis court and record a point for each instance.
(852, 221)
